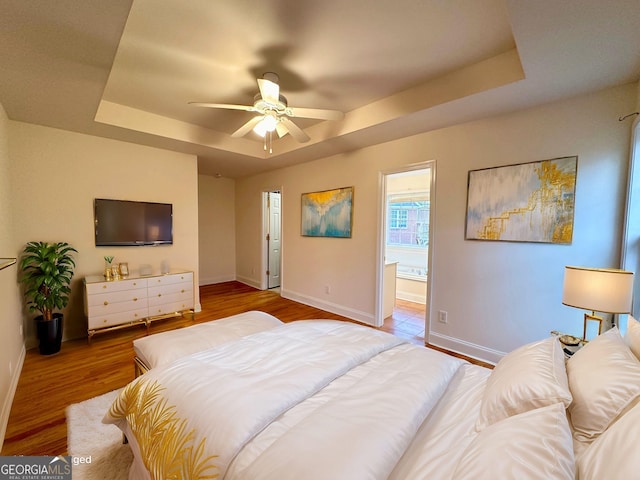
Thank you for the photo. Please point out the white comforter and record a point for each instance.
(306, 400)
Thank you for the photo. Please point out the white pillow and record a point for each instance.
(533, 445)
(604, 377)
(632, 337)
(529, 377)
(613, 455)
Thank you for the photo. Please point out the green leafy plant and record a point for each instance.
(108, 259)
(47, 269)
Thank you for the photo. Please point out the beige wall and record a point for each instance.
(498, 295)
(217, 239)
(346, 266)
(11, 343)
(57, 174)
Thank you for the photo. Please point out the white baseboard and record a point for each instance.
(411, 297)
(351, 313)
(252, 282)
(472, 350)
(219, 279)
(8, 399)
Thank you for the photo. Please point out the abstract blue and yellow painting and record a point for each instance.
(529, 202)
(328, 213)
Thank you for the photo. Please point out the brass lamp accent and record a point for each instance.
(605, 290)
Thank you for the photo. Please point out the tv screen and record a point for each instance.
(123, 222)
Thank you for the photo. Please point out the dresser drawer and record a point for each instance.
(170, 279)
(116, 307)
(102, 321)
(116, 297)
(115, 286)
(158, 298)
(170, 307)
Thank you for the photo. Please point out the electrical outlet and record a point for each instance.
(442, 316)
(327, 289)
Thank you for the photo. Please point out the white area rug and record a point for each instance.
(88, 436)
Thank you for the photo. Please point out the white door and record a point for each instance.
(273, 239)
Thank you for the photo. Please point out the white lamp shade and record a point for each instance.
(598, 289)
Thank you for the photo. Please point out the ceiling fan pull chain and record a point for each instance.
(270, 143)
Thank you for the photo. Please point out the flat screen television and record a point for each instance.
(123, 222)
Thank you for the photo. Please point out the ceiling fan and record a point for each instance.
(274, 112)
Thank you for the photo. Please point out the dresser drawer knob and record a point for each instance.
(182, 291)
(106, 303)
(104, 321)
(104, 286)
(159, 294)
(135, 299)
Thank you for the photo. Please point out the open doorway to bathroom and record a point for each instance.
(405, 254)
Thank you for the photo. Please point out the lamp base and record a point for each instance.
(591, 318)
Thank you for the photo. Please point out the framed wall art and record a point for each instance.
(123, 267)
(528, 202)
(328, 213)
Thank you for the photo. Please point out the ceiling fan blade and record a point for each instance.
(247, 127)
(270, 91)
(246, 108)
(281, 129)
(317, 113)
(295, 130)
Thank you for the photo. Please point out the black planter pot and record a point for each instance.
(50, 334)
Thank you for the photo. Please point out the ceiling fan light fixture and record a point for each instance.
(267, 124)
(273, 112)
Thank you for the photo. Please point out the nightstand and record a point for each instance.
(569, 343)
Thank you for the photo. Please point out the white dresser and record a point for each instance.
(115, 304)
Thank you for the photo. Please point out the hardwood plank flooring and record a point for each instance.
(48, 384)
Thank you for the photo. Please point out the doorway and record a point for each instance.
(406, 200)
(272, 202)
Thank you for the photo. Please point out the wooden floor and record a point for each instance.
(48, 384)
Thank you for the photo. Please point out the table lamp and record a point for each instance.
(605, 290)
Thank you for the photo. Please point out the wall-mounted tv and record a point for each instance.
(123, 222)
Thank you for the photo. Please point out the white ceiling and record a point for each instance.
(127, 70)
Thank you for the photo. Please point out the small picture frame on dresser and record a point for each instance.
(124, 269)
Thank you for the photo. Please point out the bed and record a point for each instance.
(163, 348)
(318, 399)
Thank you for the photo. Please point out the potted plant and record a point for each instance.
(47, 269)
(108, 272)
